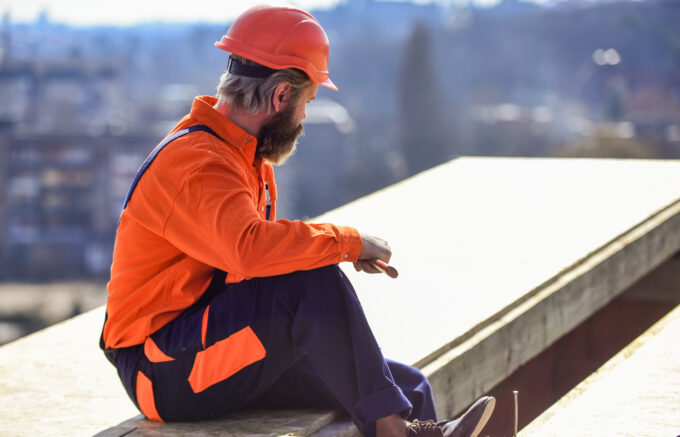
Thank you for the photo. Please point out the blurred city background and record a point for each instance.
(81, 105)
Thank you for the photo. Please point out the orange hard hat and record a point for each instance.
(280, 37)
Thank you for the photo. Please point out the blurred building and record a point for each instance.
(81, 107)
(67, 158)
(63, 197)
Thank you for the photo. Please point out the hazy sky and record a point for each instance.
(123, 12)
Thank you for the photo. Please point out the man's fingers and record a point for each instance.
(367, 266)
(375, 266)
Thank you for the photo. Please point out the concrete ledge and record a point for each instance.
(498, 258)
(498, 346)
(57, 382)
(248, 423)
(504, 256)
(634, 394)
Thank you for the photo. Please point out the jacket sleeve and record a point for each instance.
(214, 220)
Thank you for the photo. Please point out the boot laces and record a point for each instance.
(424, 428)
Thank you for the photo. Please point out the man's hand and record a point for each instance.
(373, 248)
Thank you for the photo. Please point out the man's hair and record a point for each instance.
(254, 94)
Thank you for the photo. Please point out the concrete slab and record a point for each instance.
(498, 258)
(264, 423)
(635, 394)
(474, 235)
(57, 382)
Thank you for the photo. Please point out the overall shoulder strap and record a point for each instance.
(152, 156)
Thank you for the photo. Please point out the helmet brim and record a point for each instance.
(328, 83)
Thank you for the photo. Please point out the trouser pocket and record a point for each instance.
(224, 358)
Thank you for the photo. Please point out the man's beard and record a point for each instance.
(278, 137)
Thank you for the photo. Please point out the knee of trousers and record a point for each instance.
(319, 298)
(325, 290)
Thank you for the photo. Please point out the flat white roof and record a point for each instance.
(476, 235)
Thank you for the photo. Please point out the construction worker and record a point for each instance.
(214, 305)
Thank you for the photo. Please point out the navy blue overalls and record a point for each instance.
(299, 340)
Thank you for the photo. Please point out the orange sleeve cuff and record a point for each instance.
(350, 244)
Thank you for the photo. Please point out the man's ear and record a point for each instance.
(280, 96)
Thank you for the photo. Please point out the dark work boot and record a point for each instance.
(470, 424)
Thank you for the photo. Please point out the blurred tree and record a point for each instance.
(613, 104)
(614, 109)
(423, 132)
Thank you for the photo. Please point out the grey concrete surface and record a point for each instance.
(266, 423)
(635, 394)
(57, 382)
(497, 258)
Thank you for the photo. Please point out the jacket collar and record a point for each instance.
(203, 111)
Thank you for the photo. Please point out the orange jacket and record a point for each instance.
(201, 206)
